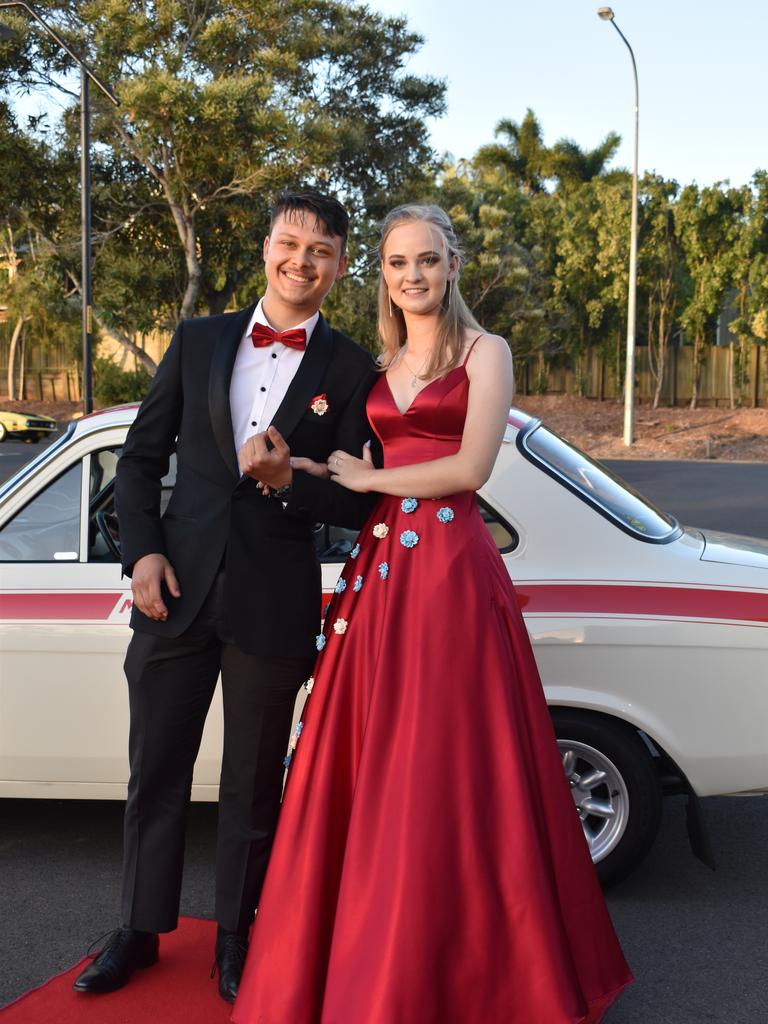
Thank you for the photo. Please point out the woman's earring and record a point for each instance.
(389, 299)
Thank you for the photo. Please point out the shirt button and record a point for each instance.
(262, 389)
(254, 423)
(274, 355)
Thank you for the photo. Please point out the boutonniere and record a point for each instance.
(319, 405)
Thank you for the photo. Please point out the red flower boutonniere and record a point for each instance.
(319, 405)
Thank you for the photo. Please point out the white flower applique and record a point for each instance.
(319, 405)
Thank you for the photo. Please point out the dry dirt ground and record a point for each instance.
(596, 427)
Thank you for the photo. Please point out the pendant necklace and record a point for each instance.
(415, 377)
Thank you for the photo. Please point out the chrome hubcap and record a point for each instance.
(599, 793)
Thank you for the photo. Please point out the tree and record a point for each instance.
(522, 155)
(661, 270)
(705, 225)
(35, 187)
(224, 103)
(571, 166)
(749, 275)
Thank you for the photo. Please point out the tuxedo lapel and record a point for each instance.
(218, 386)
(303, 387)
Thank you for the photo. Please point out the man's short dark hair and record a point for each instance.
(327, 211)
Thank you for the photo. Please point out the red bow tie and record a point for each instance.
(263, 336)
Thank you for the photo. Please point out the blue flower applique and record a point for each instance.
(292, 745)
(341, 585)
(355, 551)
(358, 584)
(326, 608)
(320, 641)
(409, 504)
(383, 570)
(445, 514)
(409, 538)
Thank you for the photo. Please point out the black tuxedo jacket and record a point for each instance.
(273, 588)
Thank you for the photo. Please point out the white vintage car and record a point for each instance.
(651, 639)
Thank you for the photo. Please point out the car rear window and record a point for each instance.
(596, 484)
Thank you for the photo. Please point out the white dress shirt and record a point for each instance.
(261, 377)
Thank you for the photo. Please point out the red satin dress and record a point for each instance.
(429, 865)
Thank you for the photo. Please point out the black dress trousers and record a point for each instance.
(171, 682)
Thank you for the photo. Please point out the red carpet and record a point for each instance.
(177, 989)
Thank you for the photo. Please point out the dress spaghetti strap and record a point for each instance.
(469, 350)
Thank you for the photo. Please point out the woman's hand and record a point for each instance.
(354, 474)
(309, 466)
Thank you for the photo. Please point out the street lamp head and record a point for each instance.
(606, 13)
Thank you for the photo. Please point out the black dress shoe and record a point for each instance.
(124, 951)
(231, 950)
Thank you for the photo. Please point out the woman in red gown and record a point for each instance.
(429, 865)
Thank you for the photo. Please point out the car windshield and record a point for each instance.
(610, 495)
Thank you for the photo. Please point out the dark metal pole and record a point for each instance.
(85, 229)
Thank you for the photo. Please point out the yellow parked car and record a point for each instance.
(27, 426)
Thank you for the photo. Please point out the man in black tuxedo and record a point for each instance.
(226, 580)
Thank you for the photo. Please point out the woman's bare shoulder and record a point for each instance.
(486, 350)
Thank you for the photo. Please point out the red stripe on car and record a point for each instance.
(68, 606)
(609, 599)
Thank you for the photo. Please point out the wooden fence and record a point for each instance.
(591, 376)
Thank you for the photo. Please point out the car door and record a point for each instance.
(64, 614)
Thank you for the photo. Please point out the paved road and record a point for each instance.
(13, 454)
(697, 940)
(731, 496)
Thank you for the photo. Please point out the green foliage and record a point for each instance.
(113, 386)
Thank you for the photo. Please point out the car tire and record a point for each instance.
(3, 432)
(615, 785)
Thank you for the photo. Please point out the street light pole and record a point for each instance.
(85, 253)
(86, 286)
(607, 14)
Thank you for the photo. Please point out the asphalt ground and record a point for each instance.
(729, 496)
(696, 940)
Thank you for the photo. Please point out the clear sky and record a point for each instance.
(702, 67)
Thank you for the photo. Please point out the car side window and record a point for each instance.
(47, 528)
(334, 543)
(504, 535)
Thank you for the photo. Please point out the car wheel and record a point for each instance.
(3, 432)
(615, 786)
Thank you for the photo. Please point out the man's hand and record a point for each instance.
(318, 469)
(149, 573)
(270, 468)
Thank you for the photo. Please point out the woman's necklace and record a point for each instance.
(415, 377)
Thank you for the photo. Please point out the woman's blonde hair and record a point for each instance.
(456, 316)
